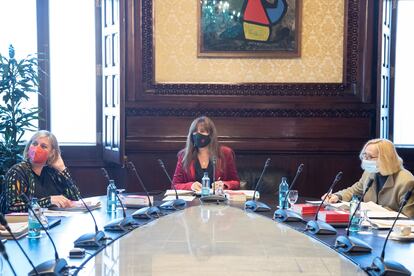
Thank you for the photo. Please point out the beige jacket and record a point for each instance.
(391, 194)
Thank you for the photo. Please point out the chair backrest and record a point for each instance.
(270, 181)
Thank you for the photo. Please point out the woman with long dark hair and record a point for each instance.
(195, 159)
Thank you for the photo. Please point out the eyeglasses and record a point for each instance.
(369, 157)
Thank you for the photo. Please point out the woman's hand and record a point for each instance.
(196, 186)
(61, 201)
(331, 198)
(58, 165)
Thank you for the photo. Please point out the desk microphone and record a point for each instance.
(177, 203)
(3, 222)
(88, 240)
(353, 244)
(6, 257)
(57, 266)
(282, 214)
(213, 198)
(145, 212)
(381, 267)
(120, 224)
(320, 227)
(257, 206)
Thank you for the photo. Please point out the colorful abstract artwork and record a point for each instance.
(249, 28)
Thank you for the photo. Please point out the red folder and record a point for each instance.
(306, 209)
(334, 216)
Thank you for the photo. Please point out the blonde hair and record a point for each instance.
(55, 151)
(190, 152)
(389, 162)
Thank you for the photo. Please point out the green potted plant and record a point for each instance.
(18, 79)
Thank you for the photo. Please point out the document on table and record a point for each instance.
(77, 207)
(179, 192)
(376, 211)
(184, 197)
(387, 223)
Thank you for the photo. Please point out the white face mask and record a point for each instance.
(369, 166)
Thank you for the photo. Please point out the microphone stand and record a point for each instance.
(4, 222)
(381, 267)
(6, 257)
(320, 227)
(177, 203)
(353, 244)
(282, 214)
(57, 266)
(89, 240)
(214, 197)
(257, 206)
(145, 212)
(120, 224)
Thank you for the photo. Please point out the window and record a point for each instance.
(69, 35)
(72, 71)
(403, 88)
(21, 33)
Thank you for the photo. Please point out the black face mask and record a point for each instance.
(200, 140)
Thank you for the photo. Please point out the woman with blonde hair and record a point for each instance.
(42, 174)
(202, 147)
(380, 161)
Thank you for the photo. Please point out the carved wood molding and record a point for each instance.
(244, 113)
(348, 87)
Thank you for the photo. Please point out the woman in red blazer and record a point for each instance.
(201, 147)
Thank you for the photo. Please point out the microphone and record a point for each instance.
(6, 257)
(283, 214)
(353, 244)
(57, 266)
(257, 206)
(320, 227)
(178, 203)
(4, 222)
(214, 197)
(145, 212)
(381, 267)
(120, 224)
(89, 240)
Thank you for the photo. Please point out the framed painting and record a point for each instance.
(249, 28)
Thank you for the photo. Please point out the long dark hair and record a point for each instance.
(190, 152)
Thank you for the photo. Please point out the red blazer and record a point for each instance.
(183, 180)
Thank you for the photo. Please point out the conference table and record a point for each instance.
(204, 239)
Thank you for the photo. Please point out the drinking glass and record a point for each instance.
(365, 224)
(292, 197)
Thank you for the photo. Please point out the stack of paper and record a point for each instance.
(19, 229)
(387, 223)
(78, 206)
(378, 212)
(136, 200)
(179, 192)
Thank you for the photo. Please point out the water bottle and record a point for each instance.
(111, 196)
(354, 225)
(283, 189)
(205, 188)
(34, 225)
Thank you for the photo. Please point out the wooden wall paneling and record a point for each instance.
(317, 176)
(323, 125)
(357, 11)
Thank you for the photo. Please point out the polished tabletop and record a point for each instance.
(205, 238)
(221, 239)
